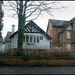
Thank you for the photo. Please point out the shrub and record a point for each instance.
(51, 53)
(54, 52)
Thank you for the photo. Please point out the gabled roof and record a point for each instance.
(57, 23)
(31, 27)
(61, 23)
(72, 20)
(68, 24)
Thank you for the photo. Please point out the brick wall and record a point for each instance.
(55, 38)
(65, 39)
(73, 36)
(61, 38)
(73, 26)
(49, 28)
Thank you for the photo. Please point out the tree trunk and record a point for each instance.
(21, 27)
(20, 30)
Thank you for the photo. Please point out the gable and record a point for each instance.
(56, 23)
(31, 27)
(67, 27)
(49, 26)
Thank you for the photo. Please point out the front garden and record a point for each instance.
(54, 57)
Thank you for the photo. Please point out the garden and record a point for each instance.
(52, 57)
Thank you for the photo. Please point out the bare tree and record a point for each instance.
(30, 10)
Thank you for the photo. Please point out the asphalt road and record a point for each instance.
(37, 70)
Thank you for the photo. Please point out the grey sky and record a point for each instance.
(42, 21)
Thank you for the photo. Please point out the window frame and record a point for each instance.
(41, 38)
(38, 39)
(31, 39)
(27, 39)
(68, 35)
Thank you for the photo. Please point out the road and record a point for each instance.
(37, 69)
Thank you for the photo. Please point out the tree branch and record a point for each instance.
(35, 17)
(12, 6)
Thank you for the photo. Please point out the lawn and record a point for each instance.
(16, 60)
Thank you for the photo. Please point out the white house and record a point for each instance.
(34, 38)
(2, 46)
(8, 41)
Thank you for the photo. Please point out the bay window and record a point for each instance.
(32, 39)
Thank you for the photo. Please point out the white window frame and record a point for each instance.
(68, 35)
(37, 40)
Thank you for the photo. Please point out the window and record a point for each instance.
(27, 38)
(68, 35)
(32, 39)
(41, 38)
(69, 46)
(37, 39)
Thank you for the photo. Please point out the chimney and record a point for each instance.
(13, 29)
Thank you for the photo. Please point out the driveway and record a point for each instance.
(37, 70)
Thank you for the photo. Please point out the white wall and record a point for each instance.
(14, 41)
(2, 47)
(43, 44)
(7, 45)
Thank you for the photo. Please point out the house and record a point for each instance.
(34, 38)
(2, 46)
(8, 41)
(62, 32)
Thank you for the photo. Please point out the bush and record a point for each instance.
(60, 53)
(51, 53)
(54, 52)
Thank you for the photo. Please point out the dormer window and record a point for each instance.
(68, 35)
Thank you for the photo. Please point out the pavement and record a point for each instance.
(37, 69)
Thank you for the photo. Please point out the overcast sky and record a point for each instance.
(42, 21)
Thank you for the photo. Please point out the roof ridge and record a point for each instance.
(57, 20)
